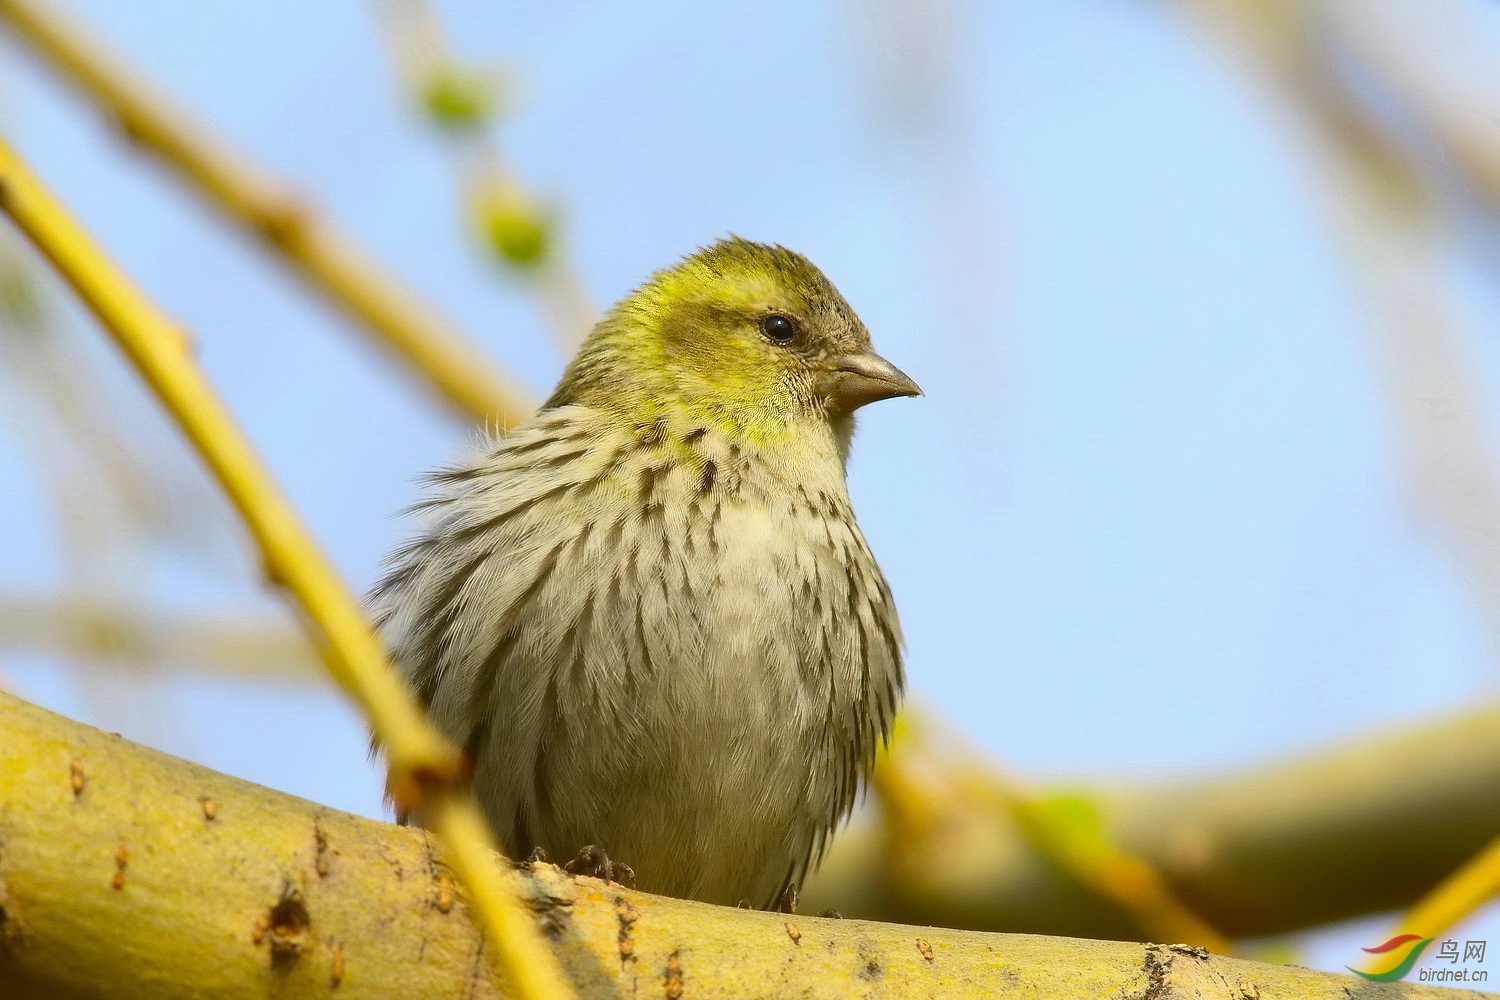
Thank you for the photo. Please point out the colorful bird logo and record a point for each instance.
(1402, 967)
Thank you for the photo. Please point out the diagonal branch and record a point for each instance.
(426, 771)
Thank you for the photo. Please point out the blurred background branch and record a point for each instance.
(1434, 61)
(915, 68)
(119, 492)
(463, 102)
(924, 793)
(1393, 215)
(111, 637)
(1357, 828)
(288, 223)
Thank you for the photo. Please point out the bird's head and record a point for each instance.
(750, 336)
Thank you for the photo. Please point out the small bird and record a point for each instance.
(647, 613)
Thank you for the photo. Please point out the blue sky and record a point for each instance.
(1146, 520)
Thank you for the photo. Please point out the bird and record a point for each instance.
(647, 613)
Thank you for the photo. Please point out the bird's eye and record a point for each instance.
(779, 328)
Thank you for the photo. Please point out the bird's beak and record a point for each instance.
(857, 379)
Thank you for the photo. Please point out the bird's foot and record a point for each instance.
(622, 873)
(788, 902)
(592, 861)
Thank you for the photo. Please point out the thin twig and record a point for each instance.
(425, 769)
(1457, 896)
(290, 225)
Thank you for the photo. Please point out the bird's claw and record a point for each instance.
(788, 902)
(622, 873)
(592, 861)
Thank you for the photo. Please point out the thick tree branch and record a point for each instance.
(128, 874)
(1330, 819)
(1363, 827)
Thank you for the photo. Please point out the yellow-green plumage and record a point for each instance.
(648, 613)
